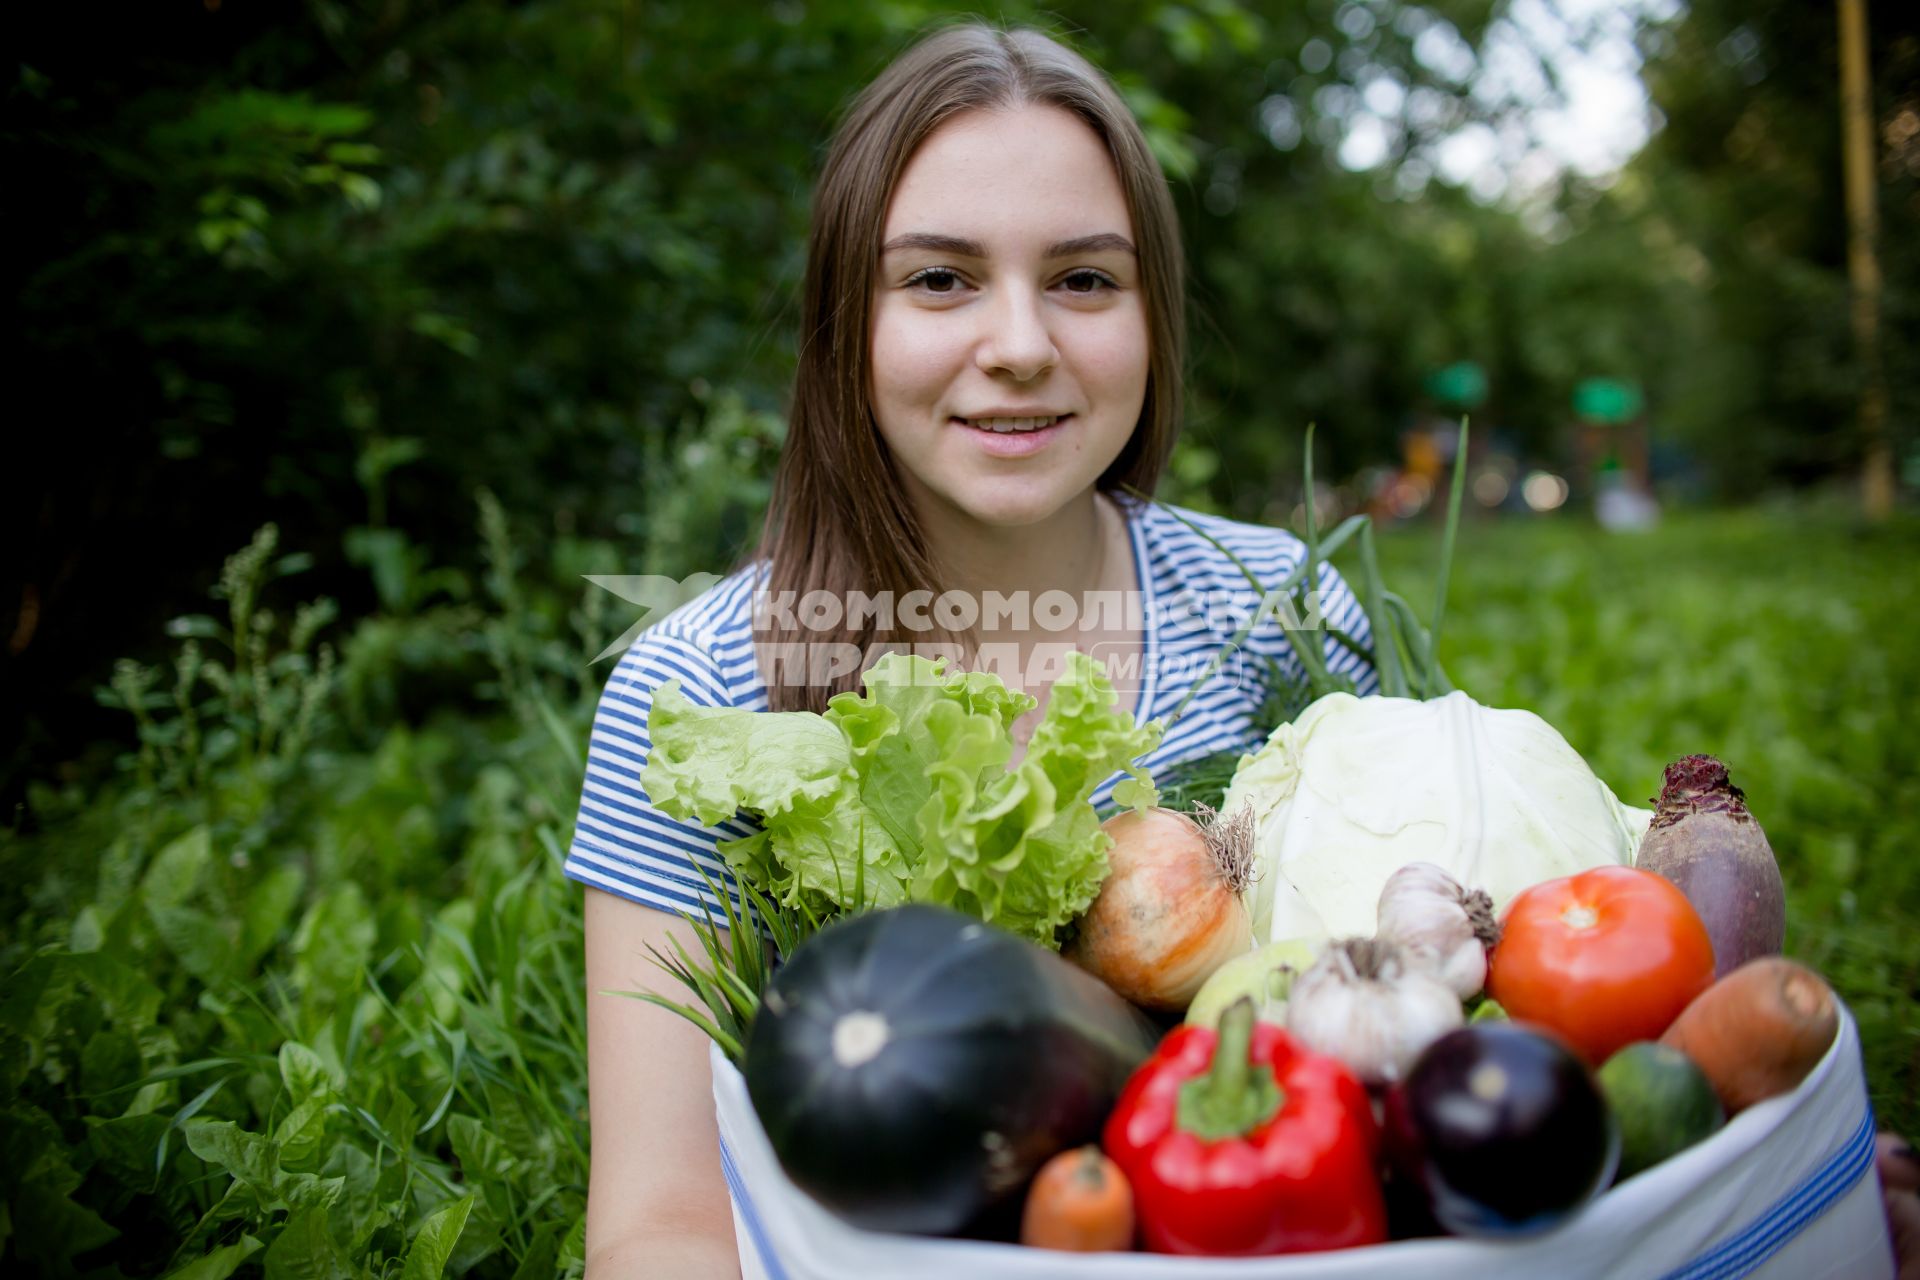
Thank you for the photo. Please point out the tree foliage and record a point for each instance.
(341, 264)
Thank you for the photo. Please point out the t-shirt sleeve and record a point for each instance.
(622, 843)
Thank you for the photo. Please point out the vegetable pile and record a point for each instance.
(1436, 978)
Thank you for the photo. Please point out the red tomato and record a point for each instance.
(1602, 958)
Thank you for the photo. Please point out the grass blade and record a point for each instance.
(728, 1044)
(1446, 541)
(1386, 653)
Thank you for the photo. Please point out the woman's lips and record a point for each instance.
(1013, 444)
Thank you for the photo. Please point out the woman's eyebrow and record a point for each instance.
(1102, 242)
(933, 243)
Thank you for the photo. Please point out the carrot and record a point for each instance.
(1079, 1201)
(1758, 1031)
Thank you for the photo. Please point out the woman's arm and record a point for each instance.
(656, 1205)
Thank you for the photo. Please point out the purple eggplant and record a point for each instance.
(1503, 1129)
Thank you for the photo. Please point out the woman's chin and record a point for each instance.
(1004, 506)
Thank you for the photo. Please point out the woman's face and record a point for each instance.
(1008, 288)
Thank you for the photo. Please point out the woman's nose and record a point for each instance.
(1017, 341)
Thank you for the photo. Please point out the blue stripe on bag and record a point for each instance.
(1741, 1254)
(738, 1187)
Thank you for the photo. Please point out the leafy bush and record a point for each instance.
(292, 996)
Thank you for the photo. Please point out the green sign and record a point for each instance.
(1461, 385)
(1607, 401)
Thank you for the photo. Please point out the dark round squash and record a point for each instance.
(914, 1067)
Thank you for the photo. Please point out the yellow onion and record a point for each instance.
(1169, 913)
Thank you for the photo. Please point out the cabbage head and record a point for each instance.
(1355, 788)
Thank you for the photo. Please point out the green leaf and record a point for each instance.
(172, 890)
(184, 1114)
(301, 1137)
(174, 878)
(433, 1243)
(110, 1057)
(401, 1120)
(126, 1145)
(205, 944)
(269, 905)
(39, 1179)
(389, 557)
(306, 1250)
(541, 1260)
(1136, 792)
(307, 1191)
(334, 943)
(219, 1264)
(249, 1157)
(304, 1073)
(361, 1202)
(1023, 848)
(482, 1156)
(694, 769)
(573, 1249)
(457, 1044)
(55, 1229)
(30, 1150)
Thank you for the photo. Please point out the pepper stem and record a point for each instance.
(1235, 1096)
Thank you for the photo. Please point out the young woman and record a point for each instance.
(991, 357)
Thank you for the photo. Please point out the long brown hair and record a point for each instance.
(839, 520)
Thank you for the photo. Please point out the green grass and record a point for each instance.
(297, 991)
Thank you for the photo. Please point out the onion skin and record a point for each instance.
(1703, 839)
(1168, 915)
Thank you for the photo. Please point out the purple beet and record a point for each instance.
(1703, 839)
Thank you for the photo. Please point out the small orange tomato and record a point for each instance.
(1602, 958)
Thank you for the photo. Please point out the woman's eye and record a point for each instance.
(935, 280)
(1089, 281)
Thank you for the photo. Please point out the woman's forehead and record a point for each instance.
(1027, 179)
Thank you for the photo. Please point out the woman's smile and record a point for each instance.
(1014, 437)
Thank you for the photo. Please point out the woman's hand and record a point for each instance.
(1899, 1168)
(656, 1205)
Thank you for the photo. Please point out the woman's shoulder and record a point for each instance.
(707, 638)
(721, 611)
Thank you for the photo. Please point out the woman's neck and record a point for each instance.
(1066, 552)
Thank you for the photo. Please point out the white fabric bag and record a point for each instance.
(1786, 1191)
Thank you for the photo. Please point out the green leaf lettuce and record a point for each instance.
(903, 792)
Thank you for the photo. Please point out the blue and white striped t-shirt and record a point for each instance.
(1194, 601)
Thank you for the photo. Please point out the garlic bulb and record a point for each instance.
(1446, 926)
(1366, 1004)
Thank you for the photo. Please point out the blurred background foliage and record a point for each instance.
(434, 308)
(338, 264)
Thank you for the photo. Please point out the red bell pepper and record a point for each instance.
(1242, 1143)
